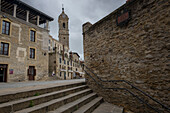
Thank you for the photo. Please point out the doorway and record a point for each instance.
(64, 75)
(31, 73)
(3, 72)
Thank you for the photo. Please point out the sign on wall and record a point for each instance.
(123, 18)
(11, 71)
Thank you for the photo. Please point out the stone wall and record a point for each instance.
(137, 52)
(19, 42)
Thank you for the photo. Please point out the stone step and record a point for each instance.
(7, 96)
(91, 106)
(108, 108)
(56, 103)
(25, 103)
(72, 106)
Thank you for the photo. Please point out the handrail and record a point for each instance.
(163, 106)
(126, 90)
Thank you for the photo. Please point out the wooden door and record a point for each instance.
(64, 75)
(31, 73)
(3, 72)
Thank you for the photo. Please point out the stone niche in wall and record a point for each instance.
(21, 54)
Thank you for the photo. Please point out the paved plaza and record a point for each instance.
(37, 83)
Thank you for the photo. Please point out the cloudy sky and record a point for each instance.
(79, 12)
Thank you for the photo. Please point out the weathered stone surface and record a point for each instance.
(19, 58)
(137, 52)
(149, 56)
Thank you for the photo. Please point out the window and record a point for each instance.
(67, 62)
(71, 63)
(32, 53)
(49, 41)
(64, 61)
(4, 49)
(5, 27)
(48, 48)
(32, 36)
(66, 55)
(64, 25)
(60, 74)
(60, 60)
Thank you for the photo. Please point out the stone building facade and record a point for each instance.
(27, 51)
(63, 63)
(132, 43)
(24, 44)
(64, 67)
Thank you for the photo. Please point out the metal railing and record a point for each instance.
(114, 81)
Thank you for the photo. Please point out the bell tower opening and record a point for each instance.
(64, 25)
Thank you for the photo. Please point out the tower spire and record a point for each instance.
(63, 7)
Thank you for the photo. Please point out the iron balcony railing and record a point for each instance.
(114, 81)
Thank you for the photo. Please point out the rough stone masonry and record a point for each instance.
(137, 51)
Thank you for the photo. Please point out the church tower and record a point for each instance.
(63, 28)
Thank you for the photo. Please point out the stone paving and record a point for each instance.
(35, 83)
(108, 108)
(8, 88)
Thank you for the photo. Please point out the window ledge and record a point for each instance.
(9, 36)
(33, 41)
(31, 59)
(5, 56)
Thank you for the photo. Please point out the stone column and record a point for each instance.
(38, 20)
(47, 24)
(27, 18)
(15, 10)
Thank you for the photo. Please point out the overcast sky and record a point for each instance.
(79, 12)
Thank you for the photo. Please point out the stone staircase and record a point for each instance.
(67, 98)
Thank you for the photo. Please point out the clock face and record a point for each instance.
(64, 16)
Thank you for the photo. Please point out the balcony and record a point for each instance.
(23, 11)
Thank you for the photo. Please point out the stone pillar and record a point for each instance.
(15, 10)
(38, 20)
(47, 24)
(27, 18)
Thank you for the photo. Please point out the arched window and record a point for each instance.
(64, 25)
